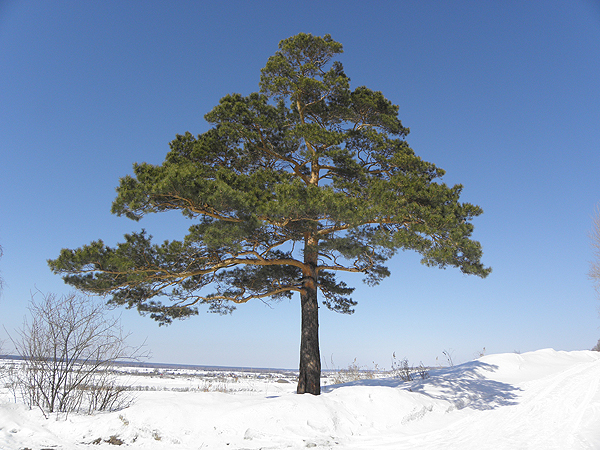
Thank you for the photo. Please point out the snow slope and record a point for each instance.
(539, 400)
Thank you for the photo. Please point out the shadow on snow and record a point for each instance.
(465, 386)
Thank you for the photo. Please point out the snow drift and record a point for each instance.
(545, 399)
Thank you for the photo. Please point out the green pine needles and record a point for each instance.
(291, 186)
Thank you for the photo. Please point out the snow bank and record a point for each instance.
(539, 400)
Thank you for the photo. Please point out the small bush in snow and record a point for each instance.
(406, 372)
(69, 348)
(353, 372)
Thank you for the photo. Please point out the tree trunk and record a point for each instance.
(309, 380)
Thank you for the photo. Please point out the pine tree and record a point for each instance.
(290, 186)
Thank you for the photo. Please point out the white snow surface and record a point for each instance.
(545, 399)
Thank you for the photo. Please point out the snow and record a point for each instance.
(545, 399)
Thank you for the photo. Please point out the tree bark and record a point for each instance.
(309, 380)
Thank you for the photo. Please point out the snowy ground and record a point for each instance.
(538, 400)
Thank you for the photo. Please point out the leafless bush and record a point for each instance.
(406, 372)
(479, 354)
(422, 371)
(448, 355)
(353, 372)
(69, 348)
(596, 347)
(401, 369)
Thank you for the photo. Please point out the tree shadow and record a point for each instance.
(467, 386)
(464, 386)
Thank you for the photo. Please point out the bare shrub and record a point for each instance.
(406, 372)
(479, 354)
(401, 369)
(69, 348)
(596, 347)
(353, 372)
(448, 355)
(422, 371)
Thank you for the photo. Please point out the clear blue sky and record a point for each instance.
(503, 95)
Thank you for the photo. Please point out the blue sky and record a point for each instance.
(505, 96)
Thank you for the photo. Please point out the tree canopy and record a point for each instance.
(291, 186)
